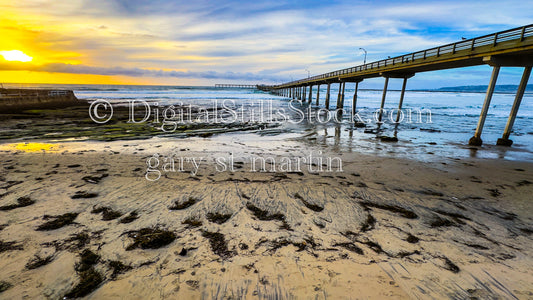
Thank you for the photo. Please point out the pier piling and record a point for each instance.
(354, 102)
(476, 139)
(383, 99)
(504, 140)
(328, 95)
(317, 95)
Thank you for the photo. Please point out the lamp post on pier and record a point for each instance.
(364, 62)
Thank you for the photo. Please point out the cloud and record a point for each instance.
(138, 72)
(240, 39)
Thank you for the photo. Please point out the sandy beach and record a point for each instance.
(80, 219)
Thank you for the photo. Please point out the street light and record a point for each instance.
(308, 73)
(364, 63)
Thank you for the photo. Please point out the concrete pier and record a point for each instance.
(508, 48)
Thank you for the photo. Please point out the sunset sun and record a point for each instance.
(16, 55)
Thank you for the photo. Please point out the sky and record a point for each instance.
(203, 42)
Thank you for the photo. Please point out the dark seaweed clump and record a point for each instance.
(392, 208)
(218, 218)
(412, 239)
(449, 265)
(218, 243)
(374, 246)
(311, 206)
(118, 268)
(108, 213)
(88, 259)
(4, 286)
(151, 238)
(58, 221)
(83, 195)
(130, 218)
(192, 222)
(188, 203)
(90, 279)
(369, 223)
(458, 218)
(263, 215)
(9, 246)
(21, 202)
(430, 193)
(441, 222)
(37, 262)
(351, 247)
(81, 239)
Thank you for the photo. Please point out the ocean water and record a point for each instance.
(440, 125)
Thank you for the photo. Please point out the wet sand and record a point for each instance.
(80, 219)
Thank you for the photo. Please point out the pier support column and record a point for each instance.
(310, 93)
(383, 99)
(505, 141)
(317, 94)
(340, 101)
(339, 94)
(402, 94)
(328, 96)
(354, 101)
(476, 139)
(304, 93)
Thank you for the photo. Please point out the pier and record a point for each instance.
(237, 86)
(509, 48)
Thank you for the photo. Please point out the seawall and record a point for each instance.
(13, 100)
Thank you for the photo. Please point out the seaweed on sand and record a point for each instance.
(311, 206)
(264, 215)
(90, 280)
(83, 195)
(369, 223)
(392, 208)
(412, 239)
(218, 243)
(351, 247)
(21, 202)
(186, 204)
(218, 218)
(108, 213)
(88, 259)
(192, 222)
(38, 261)
(9, 246)
(118, 268)
(4, 286)
(150, 238)
(130, 218)
(57, 221)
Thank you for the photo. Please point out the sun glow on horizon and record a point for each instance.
(16, 55)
